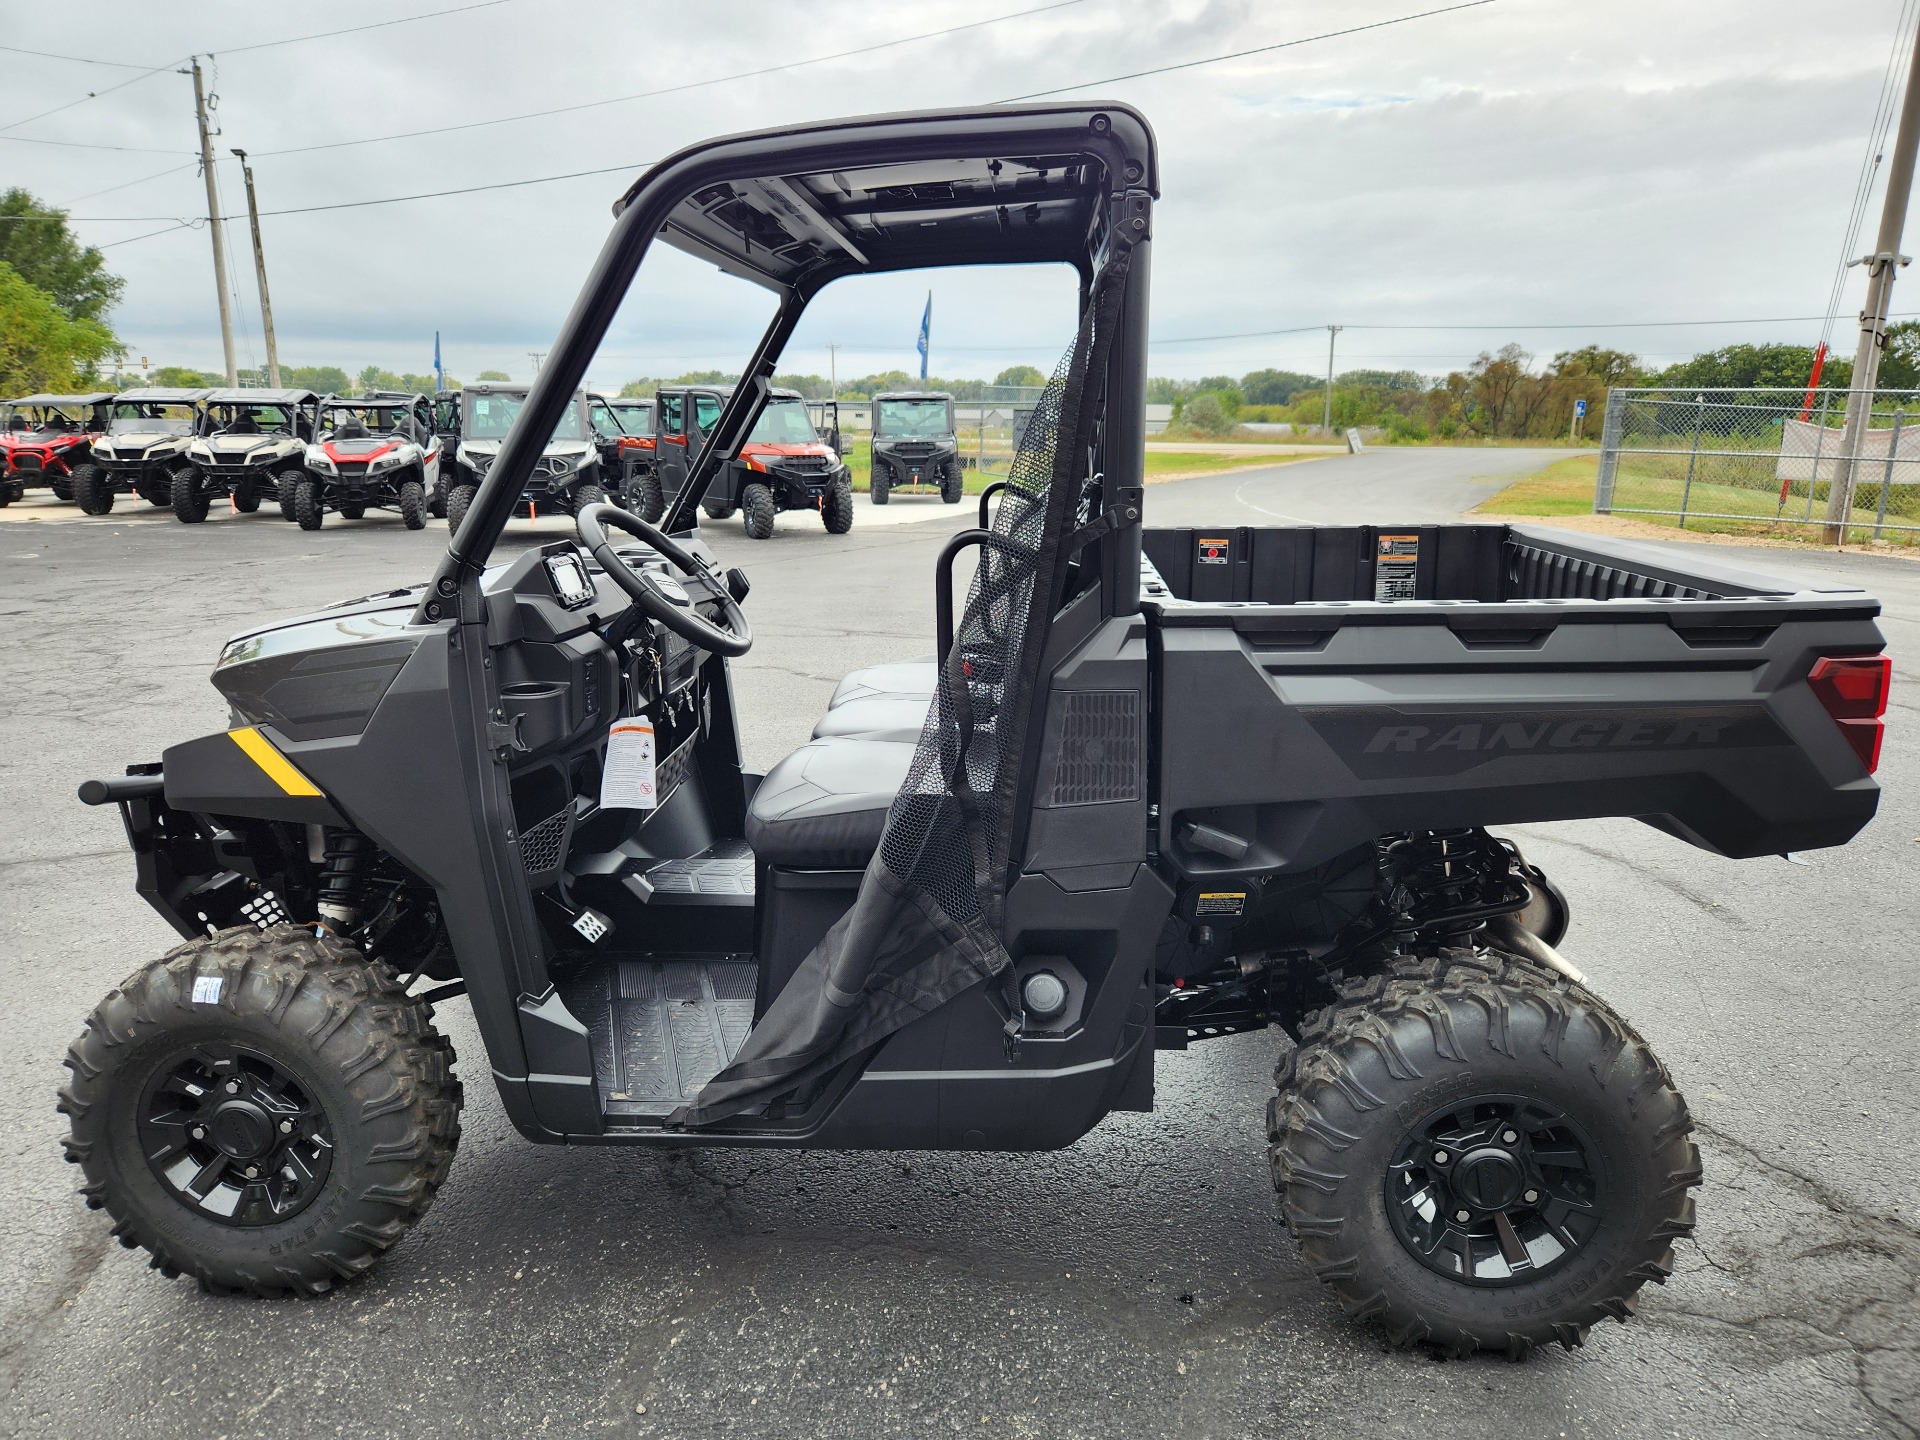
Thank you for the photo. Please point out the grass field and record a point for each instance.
(1566, 488)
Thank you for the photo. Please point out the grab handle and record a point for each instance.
(943, 586)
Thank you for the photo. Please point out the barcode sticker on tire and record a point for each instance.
(206, 989)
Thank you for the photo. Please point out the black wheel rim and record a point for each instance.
(233, 1136)
(1496, 1190)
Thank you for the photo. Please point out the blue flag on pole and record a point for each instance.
(926, 330)
(439, 375)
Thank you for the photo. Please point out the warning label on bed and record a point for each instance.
(1212, 550)
(1396, 566)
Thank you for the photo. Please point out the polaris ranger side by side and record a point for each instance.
(253, 446)
(784, 465)
(53, 444)
(567, 476)
(145, 446)
(634, 457)
(1155, 787)
(914, 444)
(372, 452)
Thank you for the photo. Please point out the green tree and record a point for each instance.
(1205, 415)
(326, 379)
(1274, 387)
(182, 377)
(1020, 375)
(493, 375)
(35, 241)
(42, 347)
(1752, 366)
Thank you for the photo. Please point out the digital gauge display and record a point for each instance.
(571, 583)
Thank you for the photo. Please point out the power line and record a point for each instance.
(356, 29)
(76, 59)
(128, 184)
(92, 95)
(689, 85)
(89, 145)
(1556, 325)
(177, 225)
(1242, 54)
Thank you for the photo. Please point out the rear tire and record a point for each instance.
(585, 495)
(953, 483)
(718, 509)
(879, 482)
(189, 500)
(646, 499)
(1591, 1191)
(287, 484)
(458, 499)
(308, 512)
(413, 505)
(437, 501)
(305, 1028)
(246, 496)
(837, 513)
(757, 512)
(62, 487)
(92, 492)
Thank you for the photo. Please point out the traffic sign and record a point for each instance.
(1580, 408)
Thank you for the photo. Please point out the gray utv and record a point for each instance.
(566, 477)
(144, 449)
(1157, 786)
(914, 443)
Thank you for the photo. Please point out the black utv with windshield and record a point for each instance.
(565, 479)
(782, 465)
(1156, 786)
(914, 444)
(144, 449)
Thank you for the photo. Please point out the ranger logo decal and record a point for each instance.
(1379, 742)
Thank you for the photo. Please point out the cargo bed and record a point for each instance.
(1322, 685)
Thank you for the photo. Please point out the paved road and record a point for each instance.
(1135, 1284)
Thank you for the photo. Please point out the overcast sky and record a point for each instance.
(1523, 163)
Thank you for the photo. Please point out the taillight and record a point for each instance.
(1853, 690)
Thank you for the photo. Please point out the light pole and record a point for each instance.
(1326, 416)
(260, 270)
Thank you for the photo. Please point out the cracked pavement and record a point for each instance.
(1136, 1283)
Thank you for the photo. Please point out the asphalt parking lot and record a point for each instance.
(1136, 1283)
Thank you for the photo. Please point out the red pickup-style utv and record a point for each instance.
(784, 464)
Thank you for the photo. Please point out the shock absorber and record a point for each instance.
(342, 881)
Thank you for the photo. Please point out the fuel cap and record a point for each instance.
(1044, 994)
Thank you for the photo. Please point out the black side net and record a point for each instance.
(926, 923)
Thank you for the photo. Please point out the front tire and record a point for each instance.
(879, 482)
(646, 499)
(189, 500)
(308, 512)
(246, 497)
(353, 509)
(286, 485)
(279, 1053)
(458, 499)
(1480, 1154)
(585, 495)
(92, 491)
(953, 483)
(837, 513)
(413, 505)
(757, 512)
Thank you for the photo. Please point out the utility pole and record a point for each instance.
(833, 371)
(1326, 418)
(213, 221)
(536, 356)
(1886, 257)
(260, 269)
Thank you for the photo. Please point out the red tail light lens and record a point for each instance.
(1853, 690)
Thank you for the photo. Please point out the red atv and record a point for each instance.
(49, 441)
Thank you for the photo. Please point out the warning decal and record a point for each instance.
(1212, 550)
(1221, 902)
(1396, 567)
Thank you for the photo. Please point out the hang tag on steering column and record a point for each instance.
(627, 780)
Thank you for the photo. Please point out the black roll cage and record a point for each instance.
(679, 196)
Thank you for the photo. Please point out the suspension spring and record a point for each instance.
(342, 881)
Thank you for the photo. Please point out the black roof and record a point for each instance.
(774, 392)
(988, 187)
(163, 396)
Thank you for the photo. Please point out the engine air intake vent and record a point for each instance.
(1099, 758)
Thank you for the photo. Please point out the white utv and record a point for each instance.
(254, 444)
(145, 447)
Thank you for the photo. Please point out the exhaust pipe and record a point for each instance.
(1514, 936)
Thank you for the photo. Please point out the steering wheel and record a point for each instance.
(674, 612)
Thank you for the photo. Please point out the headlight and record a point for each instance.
(385, 462)
(200, 452)
(317, 460)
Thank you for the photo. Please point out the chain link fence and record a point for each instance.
(1770, 456)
